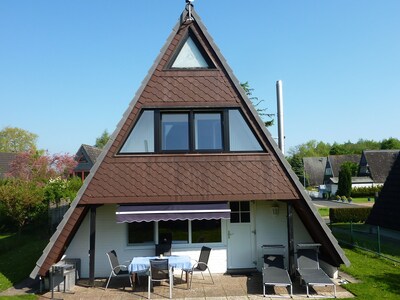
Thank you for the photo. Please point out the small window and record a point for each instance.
(206, 231)
(240, 212)
(190, 57)
(141, 233)
(208, 131)
(141, 138)
(174, 131)
(241, 138)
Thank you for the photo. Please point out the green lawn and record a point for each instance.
(18, 256)
(380, 278)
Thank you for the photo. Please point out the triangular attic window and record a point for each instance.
(190, 57)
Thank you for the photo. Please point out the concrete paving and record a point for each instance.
(232, 287)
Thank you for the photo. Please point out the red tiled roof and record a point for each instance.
(190, 179)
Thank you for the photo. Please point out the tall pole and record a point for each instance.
(279, 98)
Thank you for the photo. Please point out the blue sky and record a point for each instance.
(68, 69)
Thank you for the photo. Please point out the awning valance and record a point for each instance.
(168, 212)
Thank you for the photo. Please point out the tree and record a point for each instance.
(344, 184)
(13, 139)
(390, 143)
(36, 166)
(312, 148)
(256, 102)
(102, 140)
(22, 201)
(296, 162)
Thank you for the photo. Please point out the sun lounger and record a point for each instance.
(274, 272)
(309, 270)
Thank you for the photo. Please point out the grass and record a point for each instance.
(324, 211)
(380, 278)
(18, 255)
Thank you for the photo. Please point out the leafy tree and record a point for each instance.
(312, 148)
(352, 166)
(13, 139)
(344, 184)
(102, 140)
(338, 149)
(296, 162)
(390, 143)
(61, 188)
(35, 166)
(22, 201)
(256, 102)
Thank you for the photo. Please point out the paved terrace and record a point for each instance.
(232, 287)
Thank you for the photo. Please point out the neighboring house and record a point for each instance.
(386, 210)
(190, 159)
(86, 157)
(333, 164)
(376, 164)
(314, 170)
(5, 161)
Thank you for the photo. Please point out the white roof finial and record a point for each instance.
(189, 7)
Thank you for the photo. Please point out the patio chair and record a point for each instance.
(160, 271)
(200, 266)
(117, 270)
(308, 268)
(275, 274)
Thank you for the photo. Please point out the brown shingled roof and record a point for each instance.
(190, 177)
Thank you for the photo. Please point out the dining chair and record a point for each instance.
(200, 265)
(160, 271)
(117, 270)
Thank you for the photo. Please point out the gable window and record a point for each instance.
(191, 131)
(189, 56)
(174, 131)
(208, 131)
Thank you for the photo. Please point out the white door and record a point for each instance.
(241, 237)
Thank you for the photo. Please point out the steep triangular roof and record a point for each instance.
(336, 161)
(314, 168)
(378, 163)
(87, 156)
(386, 210)
(149, 178)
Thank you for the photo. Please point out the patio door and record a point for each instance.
(241, 239)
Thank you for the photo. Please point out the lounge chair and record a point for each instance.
(308, 268)
(274, 272)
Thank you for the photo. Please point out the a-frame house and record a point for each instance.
(192, 159)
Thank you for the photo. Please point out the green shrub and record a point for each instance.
(362, 192)
(347, 215)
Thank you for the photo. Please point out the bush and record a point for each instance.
(347, 215)
(361, 192)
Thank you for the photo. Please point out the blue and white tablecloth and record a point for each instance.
(142, 263)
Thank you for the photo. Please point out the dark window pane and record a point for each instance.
(245, 217)
(234, 206)
(142, 232)
(245, 206)
(206, 231)
(235, 217)
(177, 229)
(175, 132)
(208, 131)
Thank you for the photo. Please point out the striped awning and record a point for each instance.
(168, 212)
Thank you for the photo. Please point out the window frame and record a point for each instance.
(225, 139)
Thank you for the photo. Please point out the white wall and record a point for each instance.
(113, 236)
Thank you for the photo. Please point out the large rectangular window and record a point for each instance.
(174, 131)
(178, 230)
(141, 233)
(206, 231)
(202, 231)
(208, 131)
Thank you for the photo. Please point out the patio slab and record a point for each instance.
(226, 287)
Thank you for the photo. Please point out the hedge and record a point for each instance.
(359, 192)
(347, 215)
